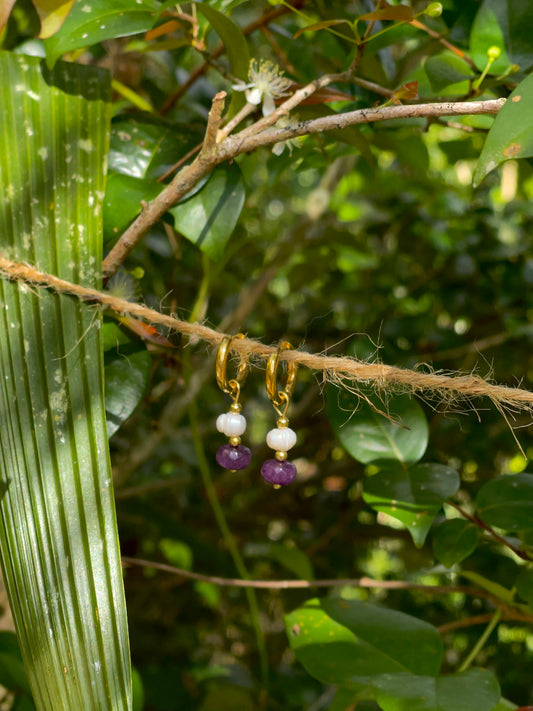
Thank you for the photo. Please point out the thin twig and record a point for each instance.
(364, 582)
(467, 663)
(458, 126)
(287, 64)
(292, 102)
(507, 614)
(372, 86)
(485, 526)
(473, 347)
(420, 25)
(246, 110)
(222, 133)
(180, 162)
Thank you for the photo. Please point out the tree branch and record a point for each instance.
(292, 102)
(246, 140)
(255, 137)
(363, 582)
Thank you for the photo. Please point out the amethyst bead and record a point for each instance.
(234, 457)
(278, 473)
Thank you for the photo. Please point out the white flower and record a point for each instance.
(266, 84)
(286, 122)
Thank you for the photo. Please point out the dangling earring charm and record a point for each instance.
(279, 471)
(234, 455)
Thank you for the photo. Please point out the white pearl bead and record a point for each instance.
(231, 424)
(281, 439)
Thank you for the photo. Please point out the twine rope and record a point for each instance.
(336, 369)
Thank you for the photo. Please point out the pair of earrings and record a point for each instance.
(234, 455)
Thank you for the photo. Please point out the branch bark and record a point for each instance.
(246, 141)
(363, 582)
(255, 137)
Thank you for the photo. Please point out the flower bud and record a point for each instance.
(493, 53)
(434, 9)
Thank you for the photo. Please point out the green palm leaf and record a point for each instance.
(58, 537)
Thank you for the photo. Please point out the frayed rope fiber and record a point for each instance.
(337, 369)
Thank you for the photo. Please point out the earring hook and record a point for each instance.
(280, 398)
(233, 386)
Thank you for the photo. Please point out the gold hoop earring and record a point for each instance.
(279, 471)
(233, 455)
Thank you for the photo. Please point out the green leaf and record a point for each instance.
(209, 217)
(487, 32)
(221, 695)
(127, 373)
(141, 151)
(321, 26)
(209, 593)
(148, 148)
(368, 435)
(507, 22)
(411, 151)
(344, 699)
(490, 586)
(398, 12)
(413, 496)
(12, 673)
(123, 202)
(226, 5)
(293, 559)
(58, 536)
(236, 48)
(517, 30)
(505, 705)
(93, 21)
(177, 553)
(232, 37)
(472, 690)
(511, 135)
(454, 540)
(448, 71)
(138, 691)
(52, 14)
(345, 641)
(524, 585)
(507, 502)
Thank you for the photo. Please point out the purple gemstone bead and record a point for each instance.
(234, 457)
(278, 473)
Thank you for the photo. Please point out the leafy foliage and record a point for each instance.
(369, 435)
(510, 136)
(351, 642)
